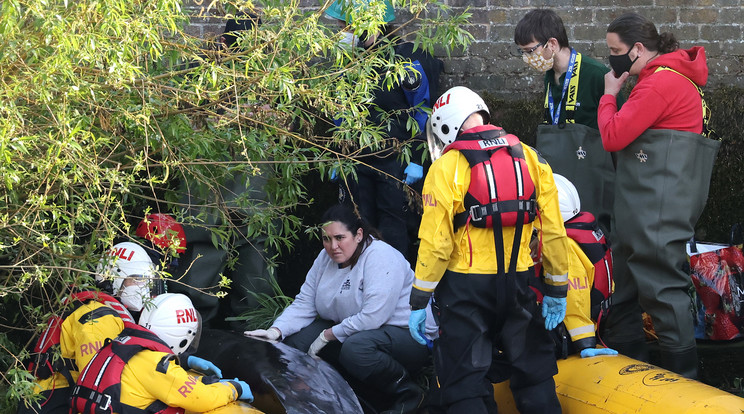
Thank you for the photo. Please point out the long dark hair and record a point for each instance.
(353, 222)
(632, 28)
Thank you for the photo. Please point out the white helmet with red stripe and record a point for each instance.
(133, 275)
(448, 114)
(173, 318)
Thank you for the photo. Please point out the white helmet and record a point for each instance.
(448, 114)
(568, 197)
(129, 262)
(173, 318)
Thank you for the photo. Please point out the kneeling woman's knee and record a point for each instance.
(358, 350)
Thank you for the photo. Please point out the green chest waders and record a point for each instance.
(240, 197)
(661, 188)
(575, 151)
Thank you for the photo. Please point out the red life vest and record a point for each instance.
(501, 191)
(98, 389)
(584, 230)
(44, 363)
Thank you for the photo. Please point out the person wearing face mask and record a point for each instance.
(129, 273)
(71, 339)
(381, 177)
(660, 138)
(145, 369)
(338, 12)
(568, 138)
(127, 278)
(352, 311)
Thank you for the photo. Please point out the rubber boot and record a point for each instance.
(408, 395)
(683, 362)
(539, 398)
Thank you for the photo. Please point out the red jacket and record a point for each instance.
(660, 100)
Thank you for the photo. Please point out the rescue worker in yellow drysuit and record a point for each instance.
(581, 321)
(139, 371)
(482, 307)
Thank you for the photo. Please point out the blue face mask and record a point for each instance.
(621, 63)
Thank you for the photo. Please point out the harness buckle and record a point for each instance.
(605, 304)
(477, 212)
(106, 406)
(530, 207)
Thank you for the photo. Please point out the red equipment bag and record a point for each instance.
(717, 272)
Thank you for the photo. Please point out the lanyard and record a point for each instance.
(570, 89)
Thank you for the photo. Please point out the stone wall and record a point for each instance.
(487, 65)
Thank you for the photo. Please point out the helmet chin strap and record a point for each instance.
(435, 144)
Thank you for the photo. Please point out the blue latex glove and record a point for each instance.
(591, 352)
(334, 174)
(553, 310)
(203, 366)
(245, 389)
(417, 325)
(414, 172)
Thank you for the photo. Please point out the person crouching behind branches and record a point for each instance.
(352, 311)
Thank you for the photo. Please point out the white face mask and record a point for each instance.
(348, 41)
(537, 61)
(133, 296)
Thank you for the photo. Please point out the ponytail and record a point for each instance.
(633, 28)
(667, 43)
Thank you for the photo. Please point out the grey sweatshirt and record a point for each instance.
(371, 294)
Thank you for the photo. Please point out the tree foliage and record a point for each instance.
(109, 109)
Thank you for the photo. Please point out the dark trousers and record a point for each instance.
(367, 355)
(242, 257)
(485, 315)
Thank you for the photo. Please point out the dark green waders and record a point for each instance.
(661, 189)
(575, 151)
(201, 266)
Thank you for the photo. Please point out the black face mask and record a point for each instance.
(621, 63)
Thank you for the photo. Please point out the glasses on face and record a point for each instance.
(517, 51)
(530, 50)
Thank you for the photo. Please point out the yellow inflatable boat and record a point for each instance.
(285, 380)
(619, 385)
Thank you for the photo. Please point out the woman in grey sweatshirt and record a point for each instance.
(353, 311)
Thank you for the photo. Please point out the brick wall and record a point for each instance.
(487, 65)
